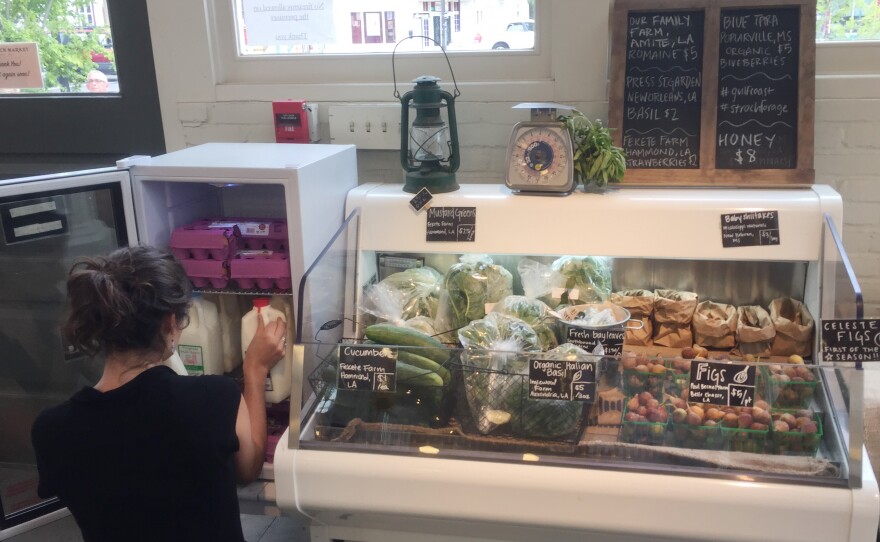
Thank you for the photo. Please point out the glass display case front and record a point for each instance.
(700, 366)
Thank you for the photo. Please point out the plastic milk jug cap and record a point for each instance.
(260, 302)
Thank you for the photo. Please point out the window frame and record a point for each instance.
(85, 129)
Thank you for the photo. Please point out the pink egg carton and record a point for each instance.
(260, 233)
(263, 269)
(200, 241)
(205, 273)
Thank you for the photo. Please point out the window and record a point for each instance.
(847, 20)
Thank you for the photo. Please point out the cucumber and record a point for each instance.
(416, 376)
(429, 347)
(422, 362)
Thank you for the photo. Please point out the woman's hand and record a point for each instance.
(268, 345)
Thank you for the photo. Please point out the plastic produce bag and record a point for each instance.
(534, 312)
(404, 295)
(537, 280)
(581, 279)
(673, 313)
(715, 325)
(467, 287)
(754, 331)
(421, 323)
(640, 304)
(794, 327)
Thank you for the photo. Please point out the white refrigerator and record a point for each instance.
(417, 463)
(47, 222)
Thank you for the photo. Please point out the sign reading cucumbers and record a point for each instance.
(367, 368)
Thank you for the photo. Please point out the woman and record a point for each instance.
(146, 454)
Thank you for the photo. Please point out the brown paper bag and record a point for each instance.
(640, 304)
(715, 325)
(673, 313)
(794, 327)
(754, 331)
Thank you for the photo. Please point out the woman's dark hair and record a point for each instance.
(117, 302)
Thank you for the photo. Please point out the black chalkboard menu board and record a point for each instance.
(451, 224)
(562, 380)
(757, 119)
(714, 92)
(367, 368)
(663, 84)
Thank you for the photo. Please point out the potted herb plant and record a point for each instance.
(596, 159)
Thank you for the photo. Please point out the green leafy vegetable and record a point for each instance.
(596, 158)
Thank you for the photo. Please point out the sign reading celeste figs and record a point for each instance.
(367, 368)
(727, 384)
(851, 340)
(561, 380)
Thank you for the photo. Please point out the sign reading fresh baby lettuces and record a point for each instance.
(367, 368)
(726, 384)
(561, 380)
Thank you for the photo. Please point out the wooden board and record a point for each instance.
(717, 76)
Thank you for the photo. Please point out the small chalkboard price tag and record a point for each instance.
(560, 380)
(456, 224)
(850, 340)
(421, 199)
(750, 229)
(611, 339)
(367, 368)
(717, 383)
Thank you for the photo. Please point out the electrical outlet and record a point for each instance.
(368, 126)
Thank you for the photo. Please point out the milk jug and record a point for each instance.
(279, 380)
(229, 312)
(175, 363)
(201, 346)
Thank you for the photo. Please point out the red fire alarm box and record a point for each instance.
(295, 121)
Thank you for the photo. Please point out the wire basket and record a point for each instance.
(426, 406)
(492, 402)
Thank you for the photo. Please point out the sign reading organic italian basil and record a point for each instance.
(757, 109)
(588, 339)
(851, 340)
(562, 380)
(750, 229)
(663, 89)
(458, 224)
(717, 383)
(364, 367)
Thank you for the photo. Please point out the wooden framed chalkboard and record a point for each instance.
(714, 92)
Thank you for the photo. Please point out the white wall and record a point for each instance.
(205, 98)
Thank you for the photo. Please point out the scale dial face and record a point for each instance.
(539, 158)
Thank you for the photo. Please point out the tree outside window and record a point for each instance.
(841, 20)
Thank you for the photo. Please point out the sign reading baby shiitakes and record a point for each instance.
(708, 92)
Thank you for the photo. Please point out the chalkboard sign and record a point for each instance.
(611, 339)
(561, 380)
(369, 368)
(727, 384)
(421, 199)
(714, 92)
(758, 89)
(662, 92)
(750, 229)
(451, 224)
(850, 340)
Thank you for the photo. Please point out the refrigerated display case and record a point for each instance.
(48, 222)
(502, 439)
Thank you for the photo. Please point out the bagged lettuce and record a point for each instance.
(581, 279)
(404, 295)
(534, 312)
(467, 287)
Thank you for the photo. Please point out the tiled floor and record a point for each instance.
(256, 529)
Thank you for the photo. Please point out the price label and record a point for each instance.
(421, 199)
(457, 224)
(367, 368)
(750, 229)
(717, 383)
(561, 380)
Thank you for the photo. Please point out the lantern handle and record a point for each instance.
(394, 73)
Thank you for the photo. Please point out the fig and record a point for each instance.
(633, 403)
(804, 413)
(658, 369)
(652, 403)
(641, 368)
(657, 414)
(631, 417)
(698, 411)
(788, 418)
(694, 419)
(730, 420)
(781, 427)
(701, 351)
(644, 397)
(810, 427)
(760, 403)
(688, 353)
(628, 361)
(761, 416)
(642, 411)
(714, 414)
(710, 423)
(745, 420)
(679, 415)
(799, 422)
(794, 358)
(758, 426)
